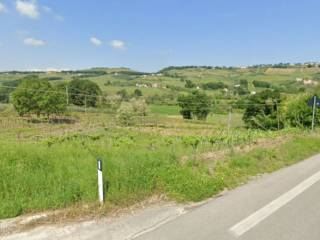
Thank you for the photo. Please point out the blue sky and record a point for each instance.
(148, 35)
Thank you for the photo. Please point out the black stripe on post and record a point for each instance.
(99, 164)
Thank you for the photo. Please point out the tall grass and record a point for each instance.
(60, 172)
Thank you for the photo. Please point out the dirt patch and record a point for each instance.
(76, 214)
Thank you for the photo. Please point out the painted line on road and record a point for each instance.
(254, 219)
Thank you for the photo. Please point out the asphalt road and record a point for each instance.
(284, 205)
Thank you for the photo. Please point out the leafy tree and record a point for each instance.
(186, 102)
(195, 105)
(137, 93)
(83, 92)
(37, 96)
(54, 102)
(262, 111)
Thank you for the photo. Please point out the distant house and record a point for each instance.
(310, 82)
(307, 81)
(143, 85)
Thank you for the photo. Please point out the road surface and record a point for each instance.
(284, 205)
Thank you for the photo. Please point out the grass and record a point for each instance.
(52, 166)
(59, 171)
(165, 110)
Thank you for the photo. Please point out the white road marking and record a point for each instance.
(254, 219)
(157, 225)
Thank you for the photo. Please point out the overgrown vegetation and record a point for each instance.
(263, 111)
(186, 146)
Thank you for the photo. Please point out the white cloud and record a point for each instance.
(28, 8)
(34, 42)
(95, 41)
(118, 44)
(3, 8)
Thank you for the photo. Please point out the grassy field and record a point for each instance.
(52, 165)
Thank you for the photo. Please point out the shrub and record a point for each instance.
(214, 86)
(189, 84)
(137, 93)
(261, 84)
(129, 112)
(244, 83)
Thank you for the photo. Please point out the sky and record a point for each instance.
(148, 35)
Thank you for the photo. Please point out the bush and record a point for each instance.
(214, 86)
(129, 112)
(197, 104)
(244, 83)
(189, 84)
(262, 111)
(137, 93)
(298, 113)
(84, 92)
(261, 84)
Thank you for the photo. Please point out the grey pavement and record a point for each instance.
(299, 219)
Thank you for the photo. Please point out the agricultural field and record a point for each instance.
(50, 163)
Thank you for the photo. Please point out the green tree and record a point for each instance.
(84, 92)
(262, 111)
(137, 93)
(189, 84)
(37, 96)
(194, 105)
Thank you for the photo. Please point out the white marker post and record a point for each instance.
(100, 182)
(314, 111)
